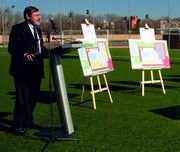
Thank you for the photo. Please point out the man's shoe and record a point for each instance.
(19, 131)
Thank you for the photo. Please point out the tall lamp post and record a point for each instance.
(13, 19)
(169, 23)
(2, 21)
(71, 17)
(93, 10)
(5, 26)
(129, 30)
(169, 10)
(88, 14)
(60, 16)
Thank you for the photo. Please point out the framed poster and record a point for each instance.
(95, 57)
(149, 54)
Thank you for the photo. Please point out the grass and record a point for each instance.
(132, 123)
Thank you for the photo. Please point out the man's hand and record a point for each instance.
(29, 56)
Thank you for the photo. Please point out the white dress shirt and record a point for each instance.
(32, 31)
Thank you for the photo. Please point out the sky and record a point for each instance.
(155, 8)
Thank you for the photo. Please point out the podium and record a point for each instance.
(56, 69)
(61, 93)
(60, 85)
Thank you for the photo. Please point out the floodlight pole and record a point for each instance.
(93, 10)
(169, 9)
(1, 11)
(60, 17)
(129, 18)
(169, 31)
(13, 19)
(71, 17)
(4, 27)
(2, 21)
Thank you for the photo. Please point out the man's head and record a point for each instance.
(32, 15)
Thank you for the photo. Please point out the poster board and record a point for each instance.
(149, 54)
(147, 34)
(95, 57)
(88, 31)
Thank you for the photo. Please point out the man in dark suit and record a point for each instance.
(27, 53)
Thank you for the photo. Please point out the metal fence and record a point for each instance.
(115, 40)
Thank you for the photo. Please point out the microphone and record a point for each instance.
(53, 25)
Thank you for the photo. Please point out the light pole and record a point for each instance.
(93, 10)
(169, 10)
(129, 31)
(13, 16)
(5, 26)
(169, 33)
(60, 17)
(71, 17)
(2, 20)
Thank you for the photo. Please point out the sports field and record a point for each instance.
(131, 123)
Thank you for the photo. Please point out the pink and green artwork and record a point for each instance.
(149, 54)
(95, 57)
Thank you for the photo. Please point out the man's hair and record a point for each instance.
(29, 10)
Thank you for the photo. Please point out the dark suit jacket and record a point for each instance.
(21, 41)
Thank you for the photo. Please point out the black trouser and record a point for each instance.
(27, 92)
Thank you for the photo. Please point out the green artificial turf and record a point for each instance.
(131, 124)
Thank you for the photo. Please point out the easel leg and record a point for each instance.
(99, 82)
(105, 80)
(162, 83)
(92, 92)
(83, 88)
(152, 76)
(142, 82)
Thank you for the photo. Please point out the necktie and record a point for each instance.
(36, 40)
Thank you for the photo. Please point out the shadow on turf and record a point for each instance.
(70, 57)
(170, 112)
(173, 78)
(5, 124)
(136, 85)
(115, 86)
(111, 86)
(123, 86)
(45, 96)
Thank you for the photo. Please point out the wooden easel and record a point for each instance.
(152, 81)
(100, 89)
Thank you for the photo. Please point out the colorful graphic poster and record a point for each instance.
(149, 54)
(95, 57)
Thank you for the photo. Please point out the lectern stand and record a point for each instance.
(59, 134)
(61, 93)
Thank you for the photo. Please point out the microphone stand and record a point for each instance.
(49, 135)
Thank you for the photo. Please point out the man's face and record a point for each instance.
(35, 18)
